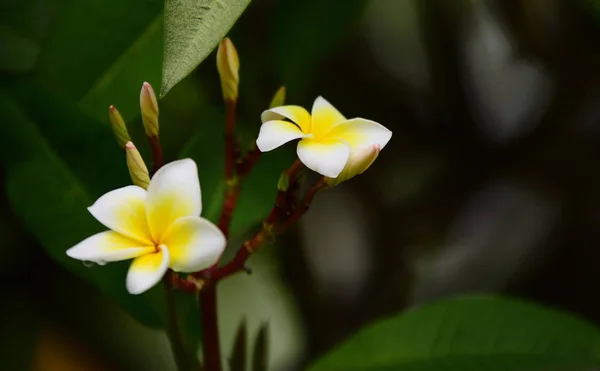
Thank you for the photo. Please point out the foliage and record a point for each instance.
(470, 333)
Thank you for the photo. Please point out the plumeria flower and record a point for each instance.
(159, 228)
(329, 143)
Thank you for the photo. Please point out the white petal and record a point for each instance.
(174, 192)
(361, 133)
(194, 244)
(326, 157)
(106, 247)
(324, 117)
(124, 210)
(147, 270)
(276, 133)
(296, 114)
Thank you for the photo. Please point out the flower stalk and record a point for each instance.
(173, 330)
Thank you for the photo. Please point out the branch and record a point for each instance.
(272, 224)
(304, 205)
(211, 348)
(157, 154)
(174, 332)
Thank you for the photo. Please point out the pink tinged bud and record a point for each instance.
(149, 107)
(136, 166)
(118, 126)
(228, 65)
(358, 162)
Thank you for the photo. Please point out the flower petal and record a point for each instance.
(325, 157)
(360, 133)
(147, 270)
(276, 133)
(174, 192)
(358, 162)
(194, 244)
(124, 210)
(324, 117)
(296, 114)
(106, 247)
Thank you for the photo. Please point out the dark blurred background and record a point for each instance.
(491, 181)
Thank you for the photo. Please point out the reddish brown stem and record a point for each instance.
(157, 154)
(232, 151)
(211, 348)
(266, 232)
(246, 164)
(231, 197)
(173, 329)
(304, 205)
(208, 295)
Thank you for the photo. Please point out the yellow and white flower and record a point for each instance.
(159, 228)
(329, 143)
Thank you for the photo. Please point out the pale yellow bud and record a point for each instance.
(137, 168)
(278, 98)
(118, 126)
(358, 163)
(149, 107)
(228, 65)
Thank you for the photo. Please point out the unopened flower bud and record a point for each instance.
(149, 106)
(118, 126)
(357, 164)
(137, 168)
(228, 65)
(278, 98)
(284, 182)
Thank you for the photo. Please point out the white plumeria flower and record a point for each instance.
(159, 228)
(327, 139)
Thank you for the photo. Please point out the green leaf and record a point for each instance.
(470, 333)
(101, 51)
(193, 28)
(121, 82)
(90, 36)
(237, 361)
(260, 355)
(17, 53)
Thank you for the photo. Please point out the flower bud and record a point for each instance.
(137, 168)
(228, 65)
(278, 98)
(118, 126)
(149, 106)
(358, 163)
(284, 182)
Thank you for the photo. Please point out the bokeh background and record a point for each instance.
(490, 182)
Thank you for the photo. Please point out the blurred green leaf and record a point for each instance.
(90, 36)
(307, 32)
(100, 52)
(470, 333)
(121, 82)
(237, 361)
(17, 53)
(193, 28)
(260, 355)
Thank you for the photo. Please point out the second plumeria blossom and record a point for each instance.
(159, 228)
(330, 144)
